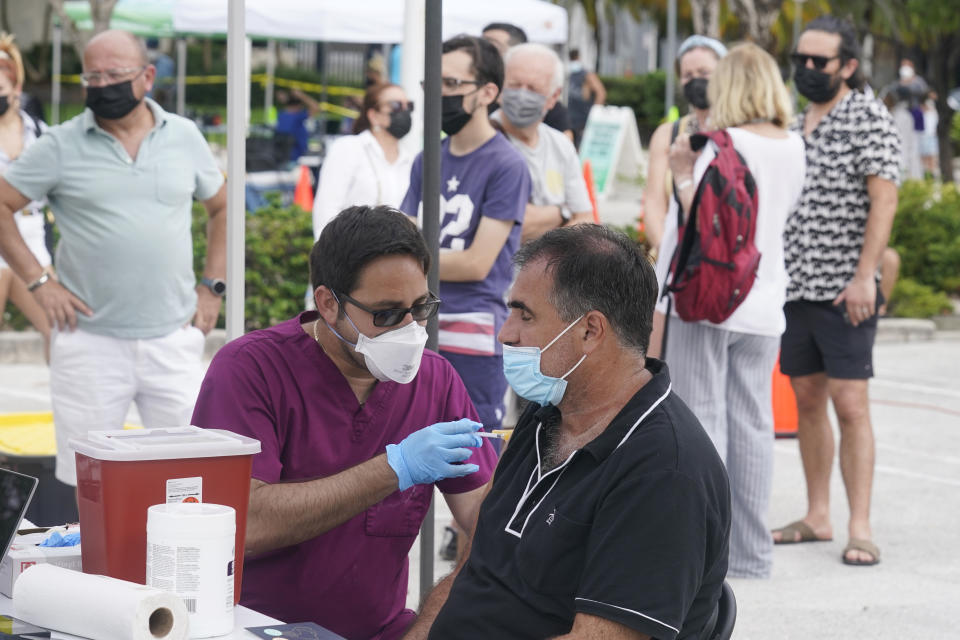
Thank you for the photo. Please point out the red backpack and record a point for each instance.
(715, 263)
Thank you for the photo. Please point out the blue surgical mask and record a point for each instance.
(521, 366)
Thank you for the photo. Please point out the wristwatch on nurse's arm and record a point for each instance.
(565, 214)
(216, 285)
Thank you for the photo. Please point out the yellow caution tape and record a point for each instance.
(261, 79)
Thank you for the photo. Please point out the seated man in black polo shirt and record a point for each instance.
(609, 513)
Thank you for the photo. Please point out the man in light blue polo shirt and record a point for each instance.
(130, 318)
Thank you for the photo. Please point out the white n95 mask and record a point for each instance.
(394, 355)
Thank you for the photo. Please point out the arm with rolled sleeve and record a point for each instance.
(646, 554)
(575, 187)
(879, 163)
(234, 395)
(505, 201)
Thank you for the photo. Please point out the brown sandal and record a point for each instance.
(859, 544)
(788, 534)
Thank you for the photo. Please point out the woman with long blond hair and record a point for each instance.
(18, 131)
(723, 371)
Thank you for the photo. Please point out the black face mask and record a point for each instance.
(113, 101)
(400, 123)
(695, 91)
(453, 116)
(816, 86)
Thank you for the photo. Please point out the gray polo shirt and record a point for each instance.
(126, 247)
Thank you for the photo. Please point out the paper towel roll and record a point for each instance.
(97, 607)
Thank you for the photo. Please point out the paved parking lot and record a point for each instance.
(913, 593)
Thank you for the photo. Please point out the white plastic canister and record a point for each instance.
(190, 551)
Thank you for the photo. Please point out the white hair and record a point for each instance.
(533, 48)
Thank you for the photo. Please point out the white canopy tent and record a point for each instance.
(374, 21)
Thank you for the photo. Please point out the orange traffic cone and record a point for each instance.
(591, 189)
(784, 405)
(303, 194)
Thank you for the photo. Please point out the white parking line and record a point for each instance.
(30, 395)
(918, 454)
(919, 388)
(880, 468)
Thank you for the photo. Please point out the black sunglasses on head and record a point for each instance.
(819, 62)
(391, 317)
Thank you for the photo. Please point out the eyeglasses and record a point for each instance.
(819, 62)
(396, 105)
(391, 317)
(110, 76)
(455, 83)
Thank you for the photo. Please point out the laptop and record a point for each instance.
(16, 492)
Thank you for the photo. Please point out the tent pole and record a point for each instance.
(671, 52)
(57, 70)
(431, 223)
(181, 76)
(271, 71)
(236, 164)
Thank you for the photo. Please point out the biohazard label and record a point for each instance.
(184, 490)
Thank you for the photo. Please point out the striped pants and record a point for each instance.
(725, 379)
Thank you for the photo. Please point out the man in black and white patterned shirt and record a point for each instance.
(834, 242)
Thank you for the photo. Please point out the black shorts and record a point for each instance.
(819, 338)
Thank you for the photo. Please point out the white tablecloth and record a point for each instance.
(243, 618)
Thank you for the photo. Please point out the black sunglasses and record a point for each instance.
(391, 317)
(819, 62)
(396, 105)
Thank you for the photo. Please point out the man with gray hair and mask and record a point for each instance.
(533, 81)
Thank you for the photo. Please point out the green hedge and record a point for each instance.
(910, 299)
(926, 233)
(644, 94)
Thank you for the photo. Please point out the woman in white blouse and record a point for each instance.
(369, 167)
(17, 132)
(724, 371)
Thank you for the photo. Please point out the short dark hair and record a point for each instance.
(515, 34)
(597, 268)
(487, 65)
(574, 54)
(849, 44)
(356, 237)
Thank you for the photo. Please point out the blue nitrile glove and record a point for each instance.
(55, 539)
(426, 456)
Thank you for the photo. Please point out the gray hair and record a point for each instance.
(533, 48)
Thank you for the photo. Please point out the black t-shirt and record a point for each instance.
(558, 117)
(634, 528)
